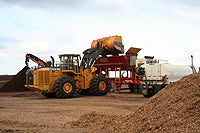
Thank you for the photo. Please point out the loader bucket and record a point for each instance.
(112, 45)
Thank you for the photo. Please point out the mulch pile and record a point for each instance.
(16, 83)
(176, 108)
(6, 77)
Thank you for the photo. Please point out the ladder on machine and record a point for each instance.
(118, 79)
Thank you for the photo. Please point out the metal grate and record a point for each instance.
(43, 77)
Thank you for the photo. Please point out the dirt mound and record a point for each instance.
(6, 77)
(97, 122)
(176, 108)
(17, 82)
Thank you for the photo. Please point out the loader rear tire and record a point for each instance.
(99, 86)
(65, 87)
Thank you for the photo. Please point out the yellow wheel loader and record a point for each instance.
(64, 79)
(71, 75)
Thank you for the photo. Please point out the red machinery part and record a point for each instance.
(120, 63)
(35, 59)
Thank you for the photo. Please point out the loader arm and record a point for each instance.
(90, 56)
(35, 59)
(111, 45)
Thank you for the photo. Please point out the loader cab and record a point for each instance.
(70, 62)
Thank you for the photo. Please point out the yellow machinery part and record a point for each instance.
(112, 43)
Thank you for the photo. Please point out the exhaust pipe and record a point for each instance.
(53, 62)
(192, 65)
(192, 62)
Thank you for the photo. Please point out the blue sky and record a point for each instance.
(166, 29)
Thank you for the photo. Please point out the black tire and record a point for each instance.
(134, 88)
(131, 87)
(65, 87)
(49, 95)
(99, 86)
(150, 93)
(146, 96)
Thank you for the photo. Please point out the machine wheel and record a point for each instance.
(65, 87)
(49, 95)
(99, 86)
(134, 88)
(150, 93)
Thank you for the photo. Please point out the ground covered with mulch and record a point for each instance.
(176, 108)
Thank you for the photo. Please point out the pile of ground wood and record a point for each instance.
(6, 77)
(16, 83)
(176, 108)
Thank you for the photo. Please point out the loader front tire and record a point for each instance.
(99, 86)
(65, 87)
